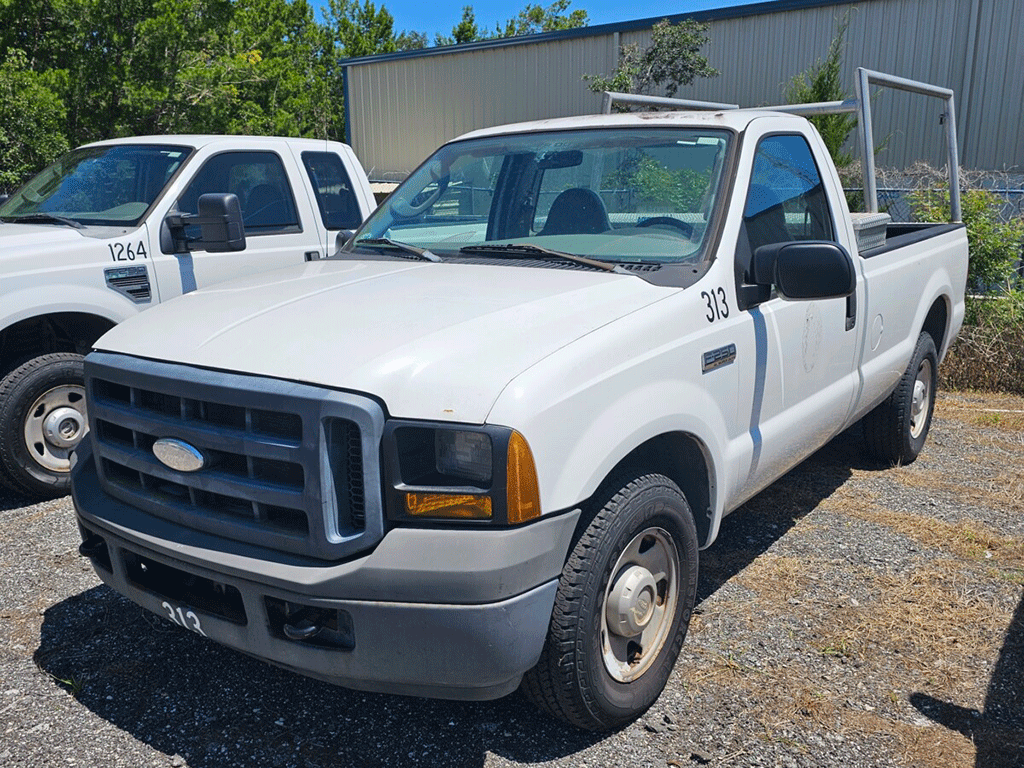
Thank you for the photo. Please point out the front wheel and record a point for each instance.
(622, 609)
(895, 431)
(42, 420)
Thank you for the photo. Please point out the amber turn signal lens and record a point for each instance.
(448, 505)
(522, 487)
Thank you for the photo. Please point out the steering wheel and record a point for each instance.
(662, 221)
(422, 200)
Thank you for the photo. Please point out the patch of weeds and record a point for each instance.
(73, 685)
(842, 647)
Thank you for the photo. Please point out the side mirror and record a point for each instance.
(220, 219)
(804, 270)
(220, 223)
(342, 239)
(4, 199)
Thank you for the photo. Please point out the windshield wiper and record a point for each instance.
(423, 253)
(537, 250)
(43, 218)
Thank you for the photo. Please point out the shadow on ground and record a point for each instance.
(998, 731)
(184, 695)
(12, 499)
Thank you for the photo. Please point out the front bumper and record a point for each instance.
(457, 614)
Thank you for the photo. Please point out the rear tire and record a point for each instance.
(896, 430)
(622, 608)
(42, 418)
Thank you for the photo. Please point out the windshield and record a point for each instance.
(630, 195)
(112, 185)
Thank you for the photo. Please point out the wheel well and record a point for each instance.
(58, 332)
(680, 457)
(936, 322)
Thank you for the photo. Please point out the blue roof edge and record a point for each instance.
(732, 12)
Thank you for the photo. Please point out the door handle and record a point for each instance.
(312, 255)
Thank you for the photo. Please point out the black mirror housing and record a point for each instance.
(220, 219)
(342, 239)
(804, 270)
(220, 223)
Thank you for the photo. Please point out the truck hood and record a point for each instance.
(437, 341)
(18, 240)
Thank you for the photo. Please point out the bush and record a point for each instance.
(995, 244)
(989, 352)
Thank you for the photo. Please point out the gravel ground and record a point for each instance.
(849, 615)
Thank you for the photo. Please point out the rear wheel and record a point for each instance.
(42, 419)
(622, 609)
(895, 431)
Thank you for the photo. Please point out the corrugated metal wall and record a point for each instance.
(400, 109)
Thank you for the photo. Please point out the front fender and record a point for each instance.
(582, 414)
(46, 300)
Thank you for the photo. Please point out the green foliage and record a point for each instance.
(536, 18)
(31, 119)
(989, 352)
(672, 61)
(657, 187)
(995, 245)
(74, 71)
(532, 20)
(465, 31)
(362, 30)
(411, 41)
(823, 82)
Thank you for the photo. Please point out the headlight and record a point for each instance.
(459, 453)
(455, 472)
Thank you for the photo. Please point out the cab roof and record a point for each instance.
(201, 140)
(732, 119)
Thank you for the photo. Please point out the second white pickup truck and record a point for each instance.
(97, 237)
(541, 374)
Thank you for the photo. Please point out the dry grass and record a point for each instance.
(1005, 412)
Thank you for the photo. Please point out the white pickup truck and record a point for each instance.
(488, 438)
(98, 236)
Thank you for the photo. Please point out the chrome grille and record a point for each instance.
(285, 465)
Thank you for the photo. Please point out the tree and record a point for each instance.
(672, 60)
(531, 20)
(31, 119)
(466, 31)
(362, 30)
(823, 82)
(535, 18)
(410, 40)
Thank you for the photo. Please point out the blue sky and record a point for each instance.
(432, 16)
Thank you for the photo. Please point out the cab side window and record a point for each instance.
(261, 184)
(786, 200)
(335, 198)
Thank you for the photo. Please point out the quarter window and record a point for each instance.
(335, 197)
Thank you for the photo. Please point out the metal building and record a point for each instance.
(401, 106)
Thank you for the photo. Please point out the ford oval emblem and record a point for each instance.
(179, 455)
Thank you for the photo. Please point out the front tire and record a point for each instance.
(42, 419)
(622, 608)
(895, 431)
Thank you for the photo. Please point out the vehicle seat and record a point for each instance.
(264, 207)
(576, 211)
(764, 217)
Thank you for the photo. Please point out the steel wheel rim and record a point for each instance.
(55, 425)
(650, 558)
(921, 401)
